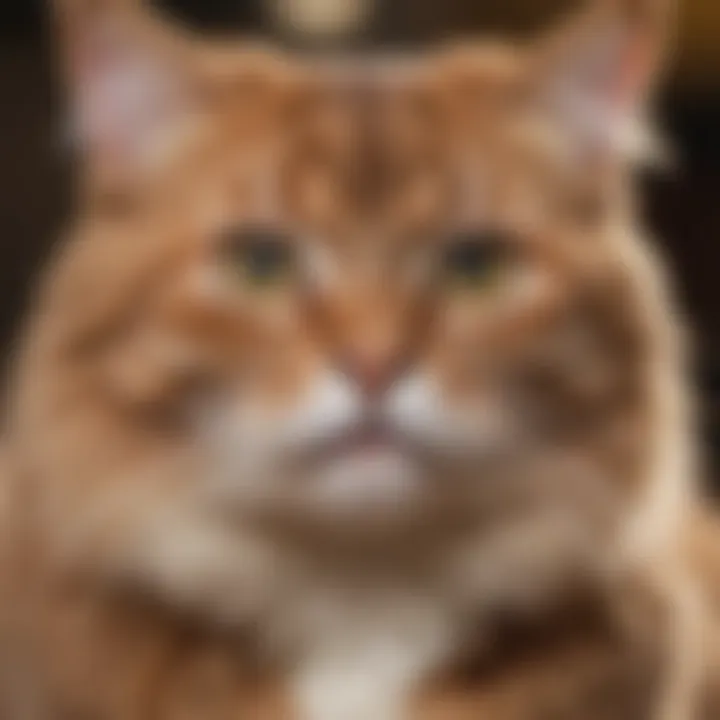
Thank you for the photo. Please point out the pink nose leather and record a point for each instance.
(372, 369)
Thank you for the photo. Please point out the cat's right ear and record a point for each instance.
(597, 72)
(132, 86)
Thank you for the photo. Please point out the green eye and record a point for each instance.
(261, 257)
(474, 261)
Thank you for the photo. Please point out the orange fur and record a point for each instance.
(188, 533)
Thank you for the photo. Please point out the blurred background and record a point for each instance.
(683, 206)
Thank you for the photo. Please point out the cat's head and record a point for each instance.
(358, 293)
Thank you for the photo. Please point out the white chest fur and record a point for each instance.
(365, 656)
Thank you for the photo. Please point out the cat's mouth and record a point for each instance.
(370, 437)
(370, 464)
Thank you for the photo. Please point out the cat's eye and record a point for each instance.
(474, 260)
(260, 257)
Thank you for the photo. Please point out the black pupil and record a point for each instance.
(263, 255)
(474, 256)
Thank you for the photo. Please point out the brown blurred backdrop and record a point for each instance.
(683, 206)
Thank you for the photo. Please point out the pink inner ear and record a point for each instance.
(635, 72)
(126, 96)
(611, 67)
(599, 84)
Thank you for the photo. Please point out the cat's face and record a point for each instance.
(387, 282)
(388, 278)
(376, 294)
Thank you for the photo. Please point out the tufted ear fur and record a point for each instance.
(132, 85)
(597, 73)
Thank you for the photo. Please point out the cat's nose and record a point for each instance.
(370, 334)
(373, 368)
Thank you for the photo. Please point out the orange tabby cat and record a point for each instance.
(355, 393)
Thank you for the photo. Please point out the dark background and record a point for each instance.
(683, 206)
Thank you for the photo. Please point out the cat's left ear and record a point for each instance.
(131, 82)
(598, 71)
